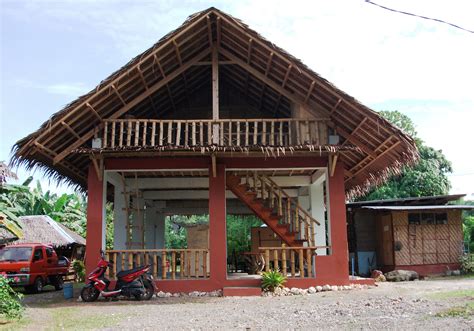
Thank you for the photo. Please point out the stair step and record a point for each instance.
(241, 291)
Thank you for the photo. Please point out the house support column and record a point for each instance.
(95, 219)
(334, 267)
(316, 192)
(217, 226)
(138, 223)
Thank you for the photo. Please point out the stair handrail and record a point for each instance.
(305, 212)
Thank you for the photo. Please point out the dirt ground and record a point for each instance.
(436, 304)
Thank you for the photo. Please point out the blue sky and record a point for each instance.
(54, 51)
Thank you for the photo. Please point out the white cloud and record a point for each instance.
(65, 89)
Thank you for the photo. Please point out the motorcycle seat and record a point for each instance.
(124, 273)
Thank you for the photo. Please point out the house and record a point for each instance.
(45, 230)
(216, 120)
(422, 234)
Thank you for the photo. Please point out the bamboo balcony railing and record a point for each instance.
(235, 133)
(292, 262)
(288, 208)
(165, 263)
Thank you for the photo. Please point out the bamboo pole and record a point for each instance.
(308, 263)
(301, 260)
(267, 260)
(292, 263)
(283, 260)
(163, 265)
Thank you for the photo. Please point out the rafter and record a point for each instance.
(96, 114)
(133, 103)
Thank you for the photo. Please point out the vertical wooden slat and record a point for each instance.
(160, 139)
(280, 209)
(275, 259)
(130, 260)
(163, 265)
(121, 134)
(204, 263)
(264, 133)
(193, 134)
(308, 263)
(155, 264)
(230, 133)
(221, 133)
(106, 129)
(145, 124)
(109, 270)
(153, 132)
(209, 132)
(170, 132)
(267, 260)
(137, 132)
(238, 133)
(272, 134)
(288, 211)
(280, 134)
(298, 141)
(186, 134)
(129, 133)
(173, 265)
(196, 263)
(112, 138)
(201, 133)
(255, 133)
(181, 264)
(188, 263)
(178, 134)
(292, 263)
(114, 266)
(301, 258)
(246, 133)
(290, 138)
(283, 260)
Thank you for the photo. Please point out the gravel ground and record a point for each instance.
(410, 305)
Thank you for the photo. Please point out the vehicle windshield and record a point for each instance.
(14, 254)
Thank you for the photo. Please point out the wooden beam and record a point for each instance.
(219, 34)
(118, 94)
(333, 109)
(214, 165)
(355, 130)
(310, 90)
(353, 140)
(68, 127)
(333, 162)
(286, 75)
(215, 84)
(88, 105)
(133, 103)
(209, 30)
(207, 63)
(262, 77)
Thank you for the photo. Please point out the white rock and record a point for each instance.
(160, 294)
(295, 291)
(327, 288)
(167, 295)
(334, 288)
(311, 290)
(175, 295)
(347, 287)
(319, 288)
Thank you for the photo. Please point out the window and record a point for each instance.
(49, 252)
(442, 218)
(38, 254)
(427, 218)
(413, 218)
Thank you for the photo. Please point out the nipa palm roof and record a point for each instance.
(152, 85)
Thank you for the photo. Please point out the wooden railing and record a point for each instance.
(165, 263)
(148, 133)
(292, 262)
(299, 220)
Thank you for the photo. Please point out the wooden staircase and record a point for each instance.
(293, 224)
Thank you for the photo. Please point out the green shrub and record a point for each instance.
(79, 269)
(273, 279)
(467, 263)
(10, 306)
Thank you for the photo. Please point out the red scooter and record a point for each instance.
(134, 283)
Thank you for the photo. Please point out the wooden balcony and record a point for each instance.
(226, 133)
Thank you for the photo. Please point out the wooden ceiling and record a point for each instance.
(168, 76)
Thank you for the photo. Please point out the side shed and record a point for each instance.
(420, 234)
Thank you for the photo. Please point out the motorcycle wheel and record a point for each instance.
(89, 293)
(149, 290)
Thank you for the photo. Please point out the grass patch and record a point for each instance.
(460, 311)
(14, 324)
(74, 318)
(453, 294)
(465, 276)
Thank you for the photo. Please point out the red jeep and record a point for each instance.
(33, 266)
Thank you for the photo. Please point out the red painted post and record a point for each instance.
(94, 219)
(217, 226)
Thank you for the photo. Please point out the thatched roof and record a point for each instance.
(155, 83)
(43, 229)
(6, 236)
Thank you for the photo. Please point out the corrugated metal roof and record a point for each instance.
(429, 200)
(436, 207)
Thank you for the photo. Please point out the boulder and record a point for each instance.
(456, 273)
(311, 290)
(327, 288)
(378, 276)
(401, 275)
(319, 288)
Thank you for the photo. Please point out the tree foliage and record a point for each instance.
(427, 178)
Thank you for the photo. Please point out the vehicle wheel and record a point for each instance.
(149, 290)
(58, 283)
(89, 294)
(38, 285)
